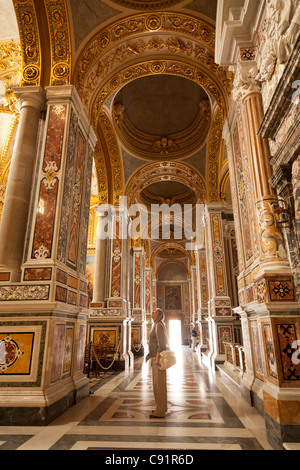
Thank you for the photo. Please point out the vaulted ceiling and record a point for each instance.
(146, 75)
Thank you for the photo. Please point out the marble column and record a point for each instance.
(50, 301)
(270, 319)
(19, 185)
(114, 312)
(100, 257)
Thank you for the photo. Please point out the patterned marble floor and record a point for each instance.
(204, 415)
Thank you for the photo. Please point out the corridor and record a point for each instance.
(204, 415)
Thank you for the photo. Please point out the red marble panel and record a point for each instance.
(83, 301)
(68, 349)
(55, 131)
(40, 274)
(61, 294)
(57, 358)
(225, 335)
(42, 242)
(81, 347)
(61, 276)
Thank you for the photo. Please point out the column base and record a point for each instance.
(42, 409)
(280, 434)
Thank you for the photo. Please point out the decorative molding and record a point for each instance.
(91, 57)
(26, 292)
(165, 171)
(147, 5)
(30, 41)
(60, 41)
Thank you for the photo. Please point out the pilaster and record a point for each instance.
(44, 314)
(138, 300)
(219, 304)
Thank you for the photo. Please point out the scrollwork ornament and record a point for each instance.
(271, 237)
(61, 71)
(153, 22)
(31, 73)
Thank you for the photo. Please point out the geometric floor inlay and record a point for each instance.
(203, 415)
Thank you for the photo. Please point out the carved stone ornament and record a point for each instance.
(280, 32)
(245, 82)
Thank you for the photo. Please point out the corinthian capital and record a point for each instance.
(245, 82)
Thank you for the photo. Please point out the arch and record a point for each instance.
(44, 33)
(164, 246)
(178, 262)
(165, 171)
(108, 162)
(155, 43)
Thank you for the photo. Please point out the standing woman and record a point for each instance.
(158, 342)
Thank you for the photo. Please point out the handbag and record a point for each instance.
(167, 359)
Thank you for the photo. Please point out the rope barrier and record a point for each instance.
(98, 361)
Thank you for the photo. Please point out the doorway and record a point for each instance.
(175, 334)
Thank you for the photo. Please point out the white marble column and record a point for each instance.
(19, 185)
(100, 257)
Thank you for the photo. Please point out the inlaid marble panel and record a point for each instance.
(76, 202)
(49, 184)
(287, 337)
(68, 188)
(68, 350)
(270, 350)
(86, 211)
(58, 351)
(81, 346)
(257, 351)
(242, 191)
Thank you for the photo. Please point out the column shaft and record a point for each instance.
(19, 185)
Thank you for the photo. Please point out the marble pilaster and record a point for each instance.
(202, 288)
(219, 304)
(45, 313)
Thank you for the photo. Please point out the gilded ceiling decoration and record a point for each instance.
(113, 162)
(147, 4)
(30, 41)
(60, 41)
(147, 44)
(10, 75)
(152, 44)
(161, 113)
(37, 43)
(165, 192)
(99, 58)
(165, 171)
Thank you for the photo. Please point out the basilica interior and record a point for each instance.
(149, 158)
